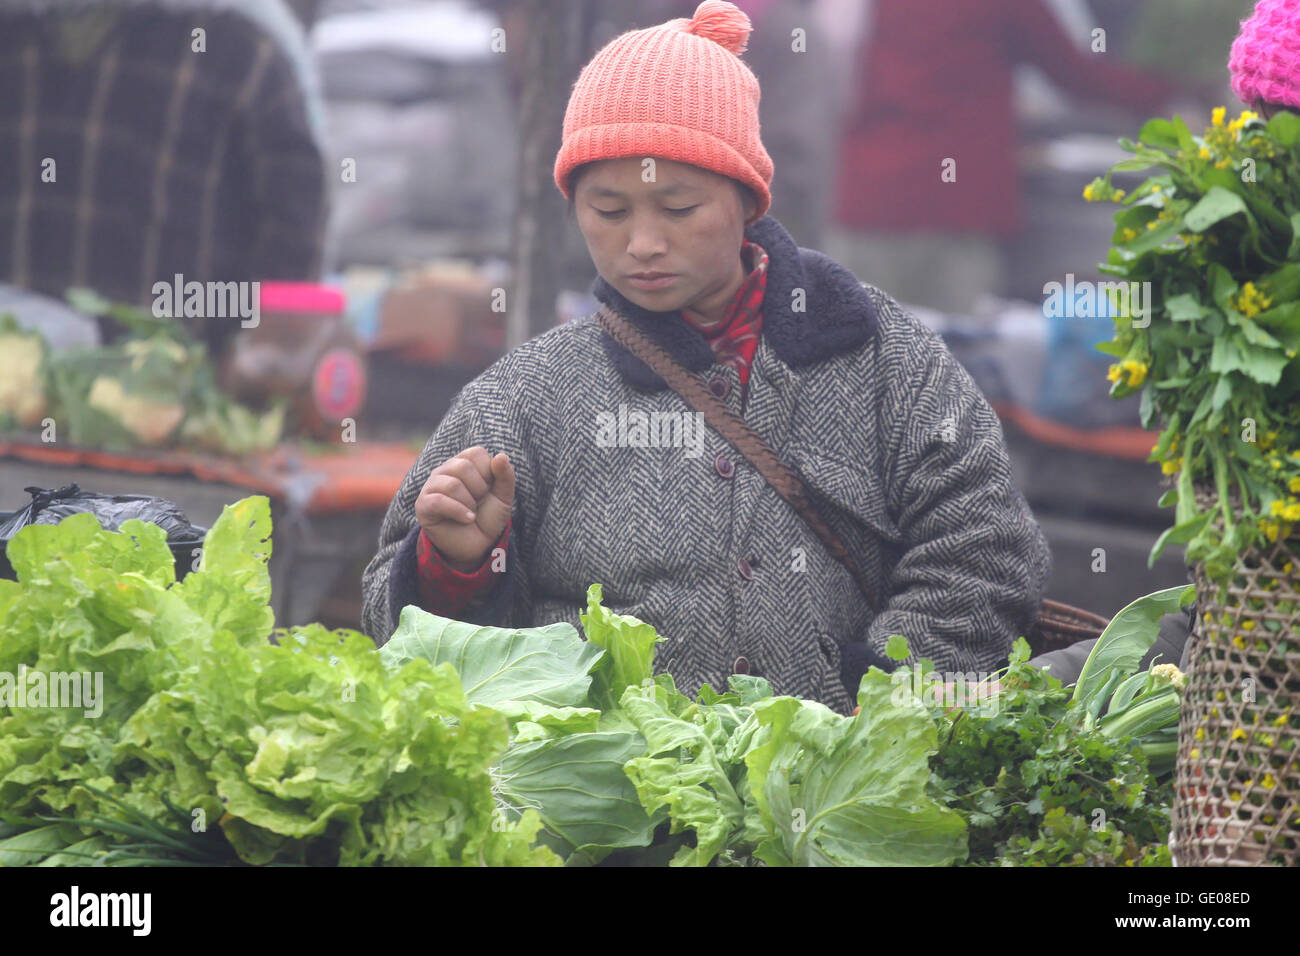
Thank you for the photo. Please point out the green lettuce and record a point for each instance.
(850, 791)
(306, 750)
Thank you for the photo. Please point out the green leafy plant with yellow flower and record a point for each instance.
(1216, 233)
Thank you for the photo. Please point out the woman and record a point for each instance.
(539, 481)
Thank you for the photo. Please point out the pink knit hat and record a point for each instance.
(677, 91)
(1265, 58)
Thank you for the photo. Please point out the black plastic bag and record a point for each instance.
(50, 506)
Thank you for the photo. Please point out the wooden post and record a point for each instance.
(553, 38)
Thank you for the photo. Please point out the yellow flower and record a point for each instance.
(1200, 733)
(1277, 507)
(1295, 484)
(1235, 795)
(1113, 373)
(1269, 781)
(1239, 123)
(1216, 117)
(1171, 467)
(1292, 512)
(1281, 721)
(1117, 195)
(1204, 153)
(1238, 734)
(1194, 753)
(1129, 234)
(1089, 193)
(1248, 625)
(1239, 642)
(1264, 739)
(1223, 164)
(1137, 372)
(1250, 301)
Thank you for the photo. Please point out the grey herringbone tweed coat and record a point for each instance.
(903, 453)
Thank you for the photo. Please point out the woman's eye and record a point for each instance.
(683, 210)
(611, 214)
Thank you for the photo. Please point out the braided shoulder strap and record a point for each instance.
(744, 439)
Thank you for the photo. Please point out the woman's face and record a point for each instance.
(688, 223)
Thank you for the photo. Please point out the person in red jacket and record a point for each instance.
(928, 170)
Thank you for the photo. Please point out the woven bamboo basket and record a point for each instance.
(1237, 779)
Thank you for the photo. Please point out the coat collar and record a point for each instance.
(837, 314)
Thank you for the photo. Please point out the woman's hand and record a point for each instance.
(465, 505)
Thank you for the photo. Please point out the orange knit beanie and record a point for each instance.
(678, 91)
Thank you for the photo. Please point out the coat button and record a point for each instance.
(724, 466)
(746, 570)
(741, 666)
(720, 387)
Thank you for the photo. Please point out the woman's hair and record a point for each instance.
(746, 194)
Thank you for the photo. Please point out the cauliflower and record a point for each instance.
(150, 422)
(22, 392)
(1169, 674)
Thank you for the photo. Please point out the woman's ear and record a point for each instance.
(748, 201)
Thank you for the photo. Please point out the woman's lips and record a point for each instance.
(650, 285)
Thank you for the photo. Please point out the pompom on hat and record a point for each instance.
(679, 91)
(1265, 57)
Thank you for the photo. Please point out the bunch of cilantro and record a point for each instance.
(1050, 775)
(1036, 788)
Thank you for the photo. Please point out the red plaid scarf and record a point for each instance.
(735, 338)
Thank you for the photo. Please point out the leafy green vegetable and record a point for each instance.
(577, 785)
(153, 388)
(220, 740)
(550, 665)
(1126, 640)
(629, 646)
(1038, 787)
(835, 791)
(306, 751)
(1213, 236)
(684, 772)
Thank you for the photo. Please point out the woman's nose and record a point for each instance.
(645, 240)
